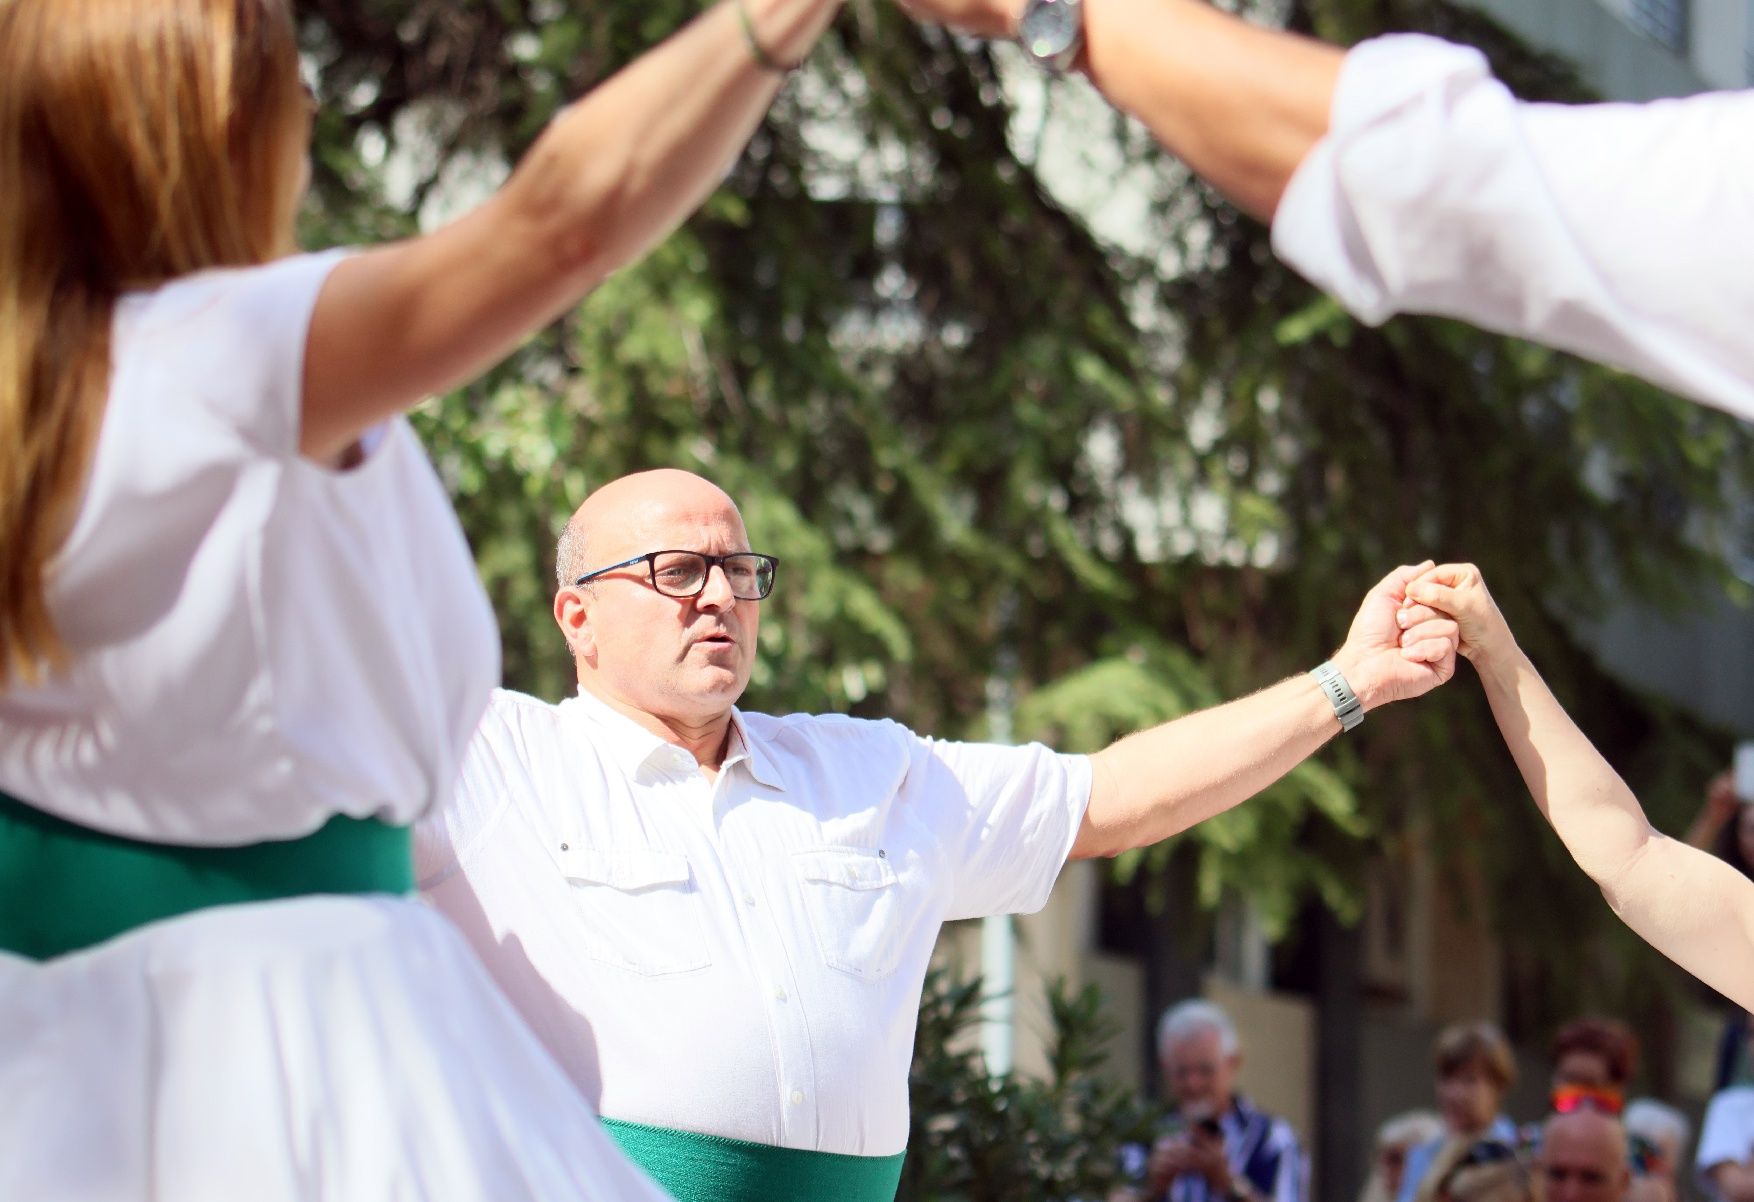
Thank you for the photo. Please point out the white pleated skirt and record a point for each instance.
(322, 1049)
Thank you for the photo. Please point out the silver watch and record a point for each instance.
(1347, 708)
(1052, 33)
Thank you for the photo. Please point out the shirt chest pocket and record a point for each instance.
(638, 909)
(864, 914)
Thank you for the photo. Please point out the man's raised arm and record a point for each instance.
(1161, 781)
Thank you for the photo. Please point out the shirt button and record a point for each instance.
(779, 995)
(797, 1097)
(749, 899)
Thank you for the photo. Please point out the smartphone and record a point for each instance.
(1744, 772)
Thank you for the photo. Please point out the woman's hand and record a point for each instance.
(1385, 660)
(1458, 591)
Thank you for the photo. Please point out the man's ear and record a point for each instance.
(572, 613)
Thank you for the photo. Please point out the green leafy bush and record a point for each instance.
(977, 1138)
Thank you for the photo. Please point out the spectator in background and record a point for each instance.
(1484, 1170)
(1216, 1146)
(1724, 826)
(1725, 1160)
(1583, 1158)
(1394, 1140)
(1474, 1071)
(1593, 1058)
(1658, 1134)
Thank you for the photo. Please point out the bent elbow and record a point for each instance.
(562, 213)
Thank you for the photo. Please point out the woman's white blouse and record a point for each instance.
(1622, 232)
(257, 643)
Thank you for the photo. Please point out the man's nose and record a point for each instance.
(716, 592)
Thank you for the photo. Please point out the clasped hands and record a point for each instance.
(1404, 641)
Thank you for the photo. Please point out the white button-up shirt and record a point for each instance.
(1622, 232)
(739, 956)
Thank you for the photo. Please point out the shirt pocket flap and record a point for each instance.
(848, 867)
(627, 869)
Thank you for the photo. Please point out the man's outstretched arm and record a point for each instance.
(1161, 781)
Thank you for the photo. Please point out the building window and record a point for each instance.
(1664, 20)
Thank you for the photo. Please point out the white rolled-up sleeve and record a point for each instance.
(1621, 232)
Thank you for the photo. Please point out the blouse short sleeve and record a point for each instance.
(256, 642)
(207, 376)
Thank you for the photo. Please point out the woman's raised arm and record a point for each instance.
(612, 175)
(1684, 902)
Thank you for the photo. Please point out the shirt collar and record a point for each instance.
(636, 748)
(763, 764)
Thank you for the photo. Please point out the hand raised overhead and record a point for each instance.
(1386, 661)
(1457, 591)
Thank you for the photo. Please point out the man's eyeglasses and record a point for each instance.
(684, 573)
(1569, 1098)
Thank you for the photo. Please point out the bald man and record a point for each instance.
(1583, 1158)
(719, 921)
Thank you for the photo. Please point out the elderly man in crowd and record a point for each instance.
(719, 921)
(1583, 1158)
(1220, 1147)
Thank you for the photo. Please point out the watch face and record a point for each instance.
(1049, 27)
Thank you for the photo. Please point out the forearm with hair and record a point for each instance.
(621, 168)
(1161, 781)
(1688, 904)
(613, 174)
(1240, 104)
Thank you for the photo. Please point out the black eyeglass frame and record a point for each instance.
(650, 559)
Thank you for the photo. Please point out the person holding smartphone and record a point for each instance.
(1215, 1146)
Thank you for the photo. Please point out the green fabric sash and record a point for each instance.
(64, 887)
(711, 1168)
